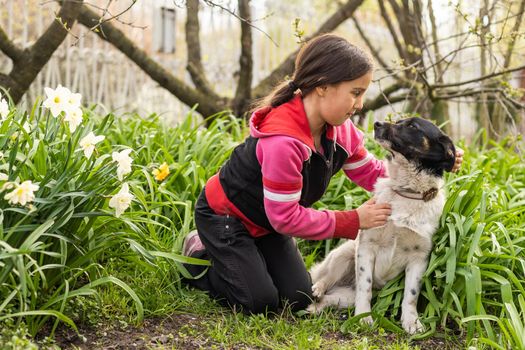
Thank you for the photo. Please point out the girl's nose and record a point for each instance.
(358, 104)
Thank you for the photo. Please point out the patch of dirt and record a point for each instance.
(380, 341)
(179, 331)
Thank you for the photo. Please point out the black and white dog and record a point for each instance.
(419, 154)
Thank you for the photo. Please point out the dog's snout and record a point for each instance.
(380, 131)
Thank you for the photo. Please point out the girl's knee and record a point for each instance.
(256, 300)
(264, 300)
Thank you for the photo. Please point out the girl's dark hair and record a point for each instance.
(325, 59)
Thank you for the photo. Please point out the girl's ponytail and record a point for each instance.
(282, 93)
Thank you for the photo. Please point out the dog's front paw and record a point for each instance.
(318, 290)
(412, 325)
(315, 308)
(367, 321)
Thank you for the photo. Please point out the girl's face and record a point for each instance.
(339, 101)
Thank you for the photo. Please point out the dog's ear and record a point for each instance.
(449, 159)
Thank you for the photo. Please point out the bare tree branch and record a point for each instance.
(8, 47)
(400, 49)
(242, 95)
(240, 18)
(443, 115)
(433, 28)
(468, 32)
(105, 10)
(28, 63)
(339, 16)
(384, 97)
(408, 26)
(488, 76)
(5, 81)
(286, 67)
(373, 49)
(193, 44)
(108, 32)
(515, 29)
(466, 92)
(482, 91)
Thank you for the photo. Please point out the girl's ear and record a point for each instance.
(321, 90)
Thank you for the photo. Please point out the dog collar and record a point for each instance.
(422, 196)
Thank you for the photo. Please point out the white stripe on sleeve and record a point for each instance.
(359, 163)
(279, 197)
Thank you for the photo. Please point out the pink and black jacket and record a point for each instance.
(272, 179)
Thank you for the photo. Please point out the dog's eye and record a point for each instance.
(412, 126)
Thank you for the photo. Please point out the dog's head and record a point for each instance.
(420, 142)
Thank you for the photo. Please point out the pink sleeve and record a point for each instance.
(281, 160)
(361, 167)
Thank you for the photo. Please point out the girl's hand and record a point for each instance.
(459, 160)
(372, 214)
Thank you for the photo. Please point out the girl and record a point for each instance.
(300, 136)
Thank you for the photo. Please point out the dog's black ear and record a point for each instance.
(449, 158)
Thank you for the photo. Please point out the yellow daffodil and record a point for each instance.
(162, 172)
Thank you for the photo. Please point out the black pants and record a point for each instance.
(256, 274)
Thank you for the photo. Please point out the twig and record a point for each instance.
(488, 76)
(213, 4)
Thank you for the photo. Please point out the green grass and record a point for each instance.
(220, 325)
(70, 259)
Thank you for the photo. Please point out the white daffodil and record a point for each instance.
(73, 101)
(3, 177)
(88, 143)
(124, 162)
(23, 193)
(57, 100)
(4, 109)
(74, 118)
(121, 200)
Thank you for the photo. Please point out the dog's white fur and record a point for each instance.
(382, 253)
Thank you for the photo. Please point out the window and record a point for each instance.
(164, 30)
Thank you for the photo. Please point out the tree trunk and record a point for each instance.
(244, 85)
(27, 63)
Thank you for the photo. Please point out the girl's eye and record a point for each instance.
(357, 93)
